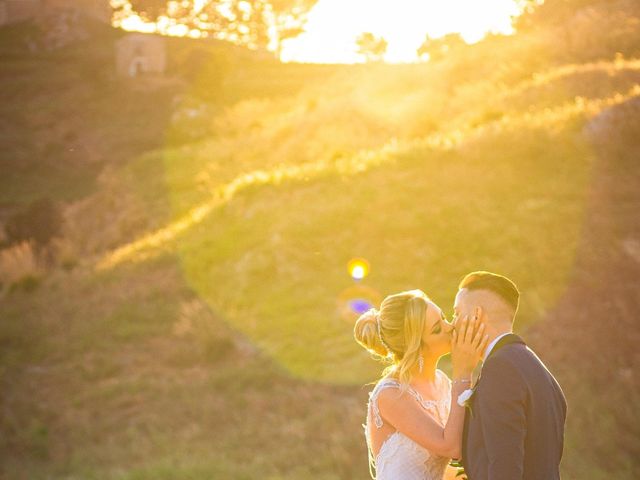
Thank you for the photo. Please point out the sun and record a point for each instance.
(333, 26)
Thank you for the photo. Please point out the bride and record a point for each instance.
(414, 423)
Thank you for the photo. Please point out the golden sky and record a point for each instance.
(334, 24)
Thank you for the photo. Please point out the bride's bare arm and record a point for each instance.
(406, 415)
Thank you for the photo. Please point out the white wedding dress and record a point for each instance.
(399, 457)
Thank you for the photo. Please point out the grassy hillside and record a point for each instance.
(203, 331)
(265, 221)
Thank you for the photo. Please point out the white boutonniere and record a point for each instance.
(465, 397)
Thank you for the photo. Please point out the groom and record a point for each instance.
(514, 427)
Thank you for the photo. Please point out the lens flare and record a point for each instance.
(357, 299)
(358, 268)
(360, 305)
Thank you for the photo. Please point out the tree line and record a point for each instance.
(256, 24)
(266, 24)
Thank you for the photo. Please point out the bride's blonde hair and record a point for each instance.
(394, 334)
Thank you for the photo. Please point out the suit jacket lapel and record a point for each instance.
(506, 340)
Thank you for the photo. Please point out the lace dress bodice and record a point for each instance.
(399, 457)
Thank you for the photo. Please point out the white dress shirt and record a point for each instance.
(491, 345)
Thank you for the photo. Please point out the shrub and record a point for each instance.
(26, 284)
(40, 222)
(19, 267)
(64, 252)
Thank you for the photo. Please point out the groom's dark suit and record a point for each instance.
(515, 428)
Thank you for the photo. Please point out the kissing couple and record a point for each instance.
(508, 424)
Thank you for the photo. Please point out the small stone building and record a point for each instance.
(140, 53)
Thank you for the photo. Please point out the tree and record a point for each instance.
(40, 222)
(371, 47)
(540, 12)
(583, 30)
(239, 21)
(438, 48)
(256, 24)
(288, 18)
(148, 10)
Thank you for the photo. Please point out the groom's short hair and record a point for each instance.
(498, 284)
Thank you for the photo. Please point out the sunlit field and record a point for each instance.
(224, 222)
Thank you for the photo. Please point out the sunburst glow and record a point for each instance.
(358, 268)
(334, 25)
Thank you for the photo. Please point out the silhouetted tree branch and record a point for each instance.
(371, 47)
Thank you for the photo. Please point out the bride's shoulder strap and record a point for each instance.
(373, 397)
